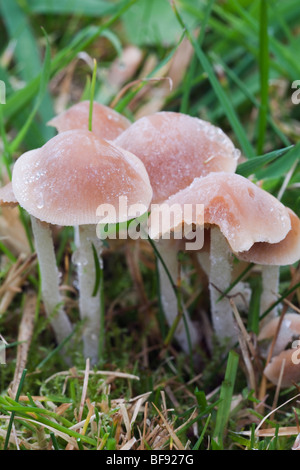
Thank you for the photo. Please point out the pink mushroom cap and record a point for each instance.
(65, 181)
(244, 213)
(106, 122)
(175, 148)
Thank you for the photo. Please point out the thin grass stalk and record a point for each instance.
(264, 75)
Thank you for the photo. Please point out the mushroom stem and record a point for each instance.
(169, 299)
(50, 279)
(219, 281)
(89, 304)
(204, 261)
(270, 285)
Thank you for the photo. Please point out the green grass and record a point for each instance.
(145, 393)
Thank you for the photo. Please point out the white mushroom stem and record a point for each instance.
(50, 279)
(204, 261)
(241, 291)
(185, 330)
(270, 286)
(219, 281)
(89, 304)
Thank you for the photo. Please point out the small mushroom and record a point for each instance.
(284, 366)
(64, 183)
(107, 123)
(289, 328)
(239, 214)
(175, 148)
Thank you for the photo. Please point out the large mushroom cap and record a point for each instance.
(107, 123)
(175, 148)
(66, 180)
(245, 213)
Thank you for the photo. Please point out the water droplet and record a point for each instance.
(236, 154)
(79, 258)
(40, 201)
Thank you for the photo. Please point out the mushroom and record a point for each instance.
(284, 369)
(239, 215)
(65, 182)
(107, 123)
(289, 328)
(175, 148)
(284, 366)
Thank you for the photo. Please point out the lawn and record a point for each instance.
(233, 64)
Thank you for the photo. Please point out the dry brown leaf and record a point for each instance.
(24, 339)
(12, 232)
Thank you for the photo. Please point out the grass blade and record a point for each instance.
(282, 165)
(27, 53)
(199, 441)
(264, 75)
(92, 94)
(226, 399)
(189, 77)
(45, 75)
(254, 307)
(99, 290)
(94, 8)
(219, 91)
(81, 41)
(252, 166)
(248, 89)
(13, 413)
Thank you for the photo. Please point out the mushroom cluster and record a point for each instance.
(167, 163)
(190, 162)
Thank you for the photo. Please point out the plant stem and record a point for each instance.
(50, 279)
(219, 281)
(8, 432)
(270, 286)
(169, 298)
(92, 94)
(264, 75)
(89, 304)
